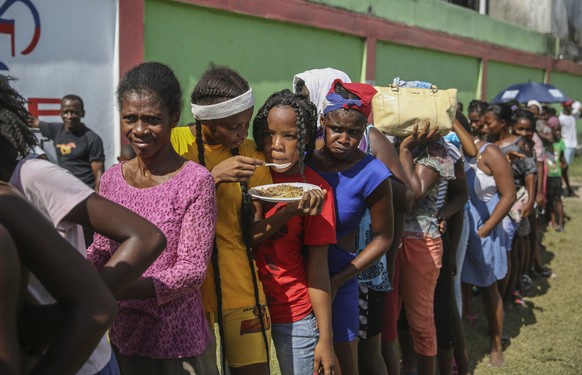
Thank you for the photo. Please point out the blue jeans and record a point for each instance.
(111, 368)
(569, 155)
(295, 345)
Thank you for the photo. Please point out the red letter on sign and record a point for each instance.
(33, 104)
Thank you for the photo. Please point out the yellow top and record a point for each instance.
(235, 274)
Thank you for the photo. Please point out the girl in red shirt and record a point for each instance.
(291, 251)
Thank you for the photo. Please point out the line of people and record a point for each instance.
(339, 280)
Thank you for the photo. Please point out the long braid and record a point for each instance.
(246, 219)
(16, 138)
(200, 144)
(301, 135)
(218, 84)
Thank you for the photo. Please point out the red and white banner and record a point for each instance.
(59, 47)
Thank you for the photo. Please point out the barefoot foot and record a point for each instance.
(496, 359)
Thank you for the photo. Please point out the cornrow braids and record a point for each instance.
(218, 84)
(306, 122)
(299, 85)
(301, 133)
(200, 144)
(16, 137)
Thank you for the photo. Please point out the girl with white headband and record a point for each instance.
(222, 105)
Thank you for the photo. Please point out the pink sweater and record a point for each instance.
(172, 325)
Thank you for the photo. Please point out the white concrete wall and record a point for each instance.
(532, 14)
(75, 54)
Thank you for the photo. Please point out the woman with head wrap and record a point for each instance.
(316, 84)
(360, 182)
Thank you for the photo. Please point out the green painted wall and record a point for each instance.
(449, 18)
(570, 84)
(266, 53)
(417, 64)
(501, 75)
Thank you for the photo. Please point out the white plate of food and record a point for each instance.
(285, 192)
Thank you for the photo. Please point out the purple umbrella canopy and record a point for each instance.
(524, 92)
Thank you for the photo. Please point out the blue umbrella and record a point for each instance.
(524, 92)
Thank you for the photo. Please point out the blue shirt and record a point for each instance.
(351, 188)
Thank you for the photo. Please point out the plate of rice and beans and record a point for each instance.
(286, 192)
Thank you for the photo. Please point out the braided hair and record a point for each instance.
(299, 85)
(306, 113)
(16, 137)
(219, 84)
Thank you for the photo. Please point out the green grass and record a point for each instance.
(546, 337)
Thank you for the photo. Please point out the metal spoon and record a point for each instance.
(277, 166)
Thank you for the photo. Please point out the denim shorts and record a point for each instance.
(295, 345)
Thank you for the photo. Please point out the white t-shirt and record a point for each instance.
(55, 192)
(569, 136)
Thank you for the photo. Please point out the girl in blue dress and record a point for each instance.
(491, 194)
(359, 182)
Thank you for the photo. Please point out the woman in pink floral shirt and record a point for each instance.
(161, 328)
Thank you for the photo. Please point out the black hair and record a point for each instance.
(523, 114)
(299, 85)
(478, 106)
(501, 112)
(306, 122)
(459, 116)
(16, 137)
(74, 98)
(460, 106)
(513, 104)
(219, 84)
(155, 78)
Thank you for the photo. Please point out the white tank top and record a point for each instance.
(483, 184)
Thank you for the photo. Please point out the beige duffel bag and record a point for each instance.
(397, 109)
